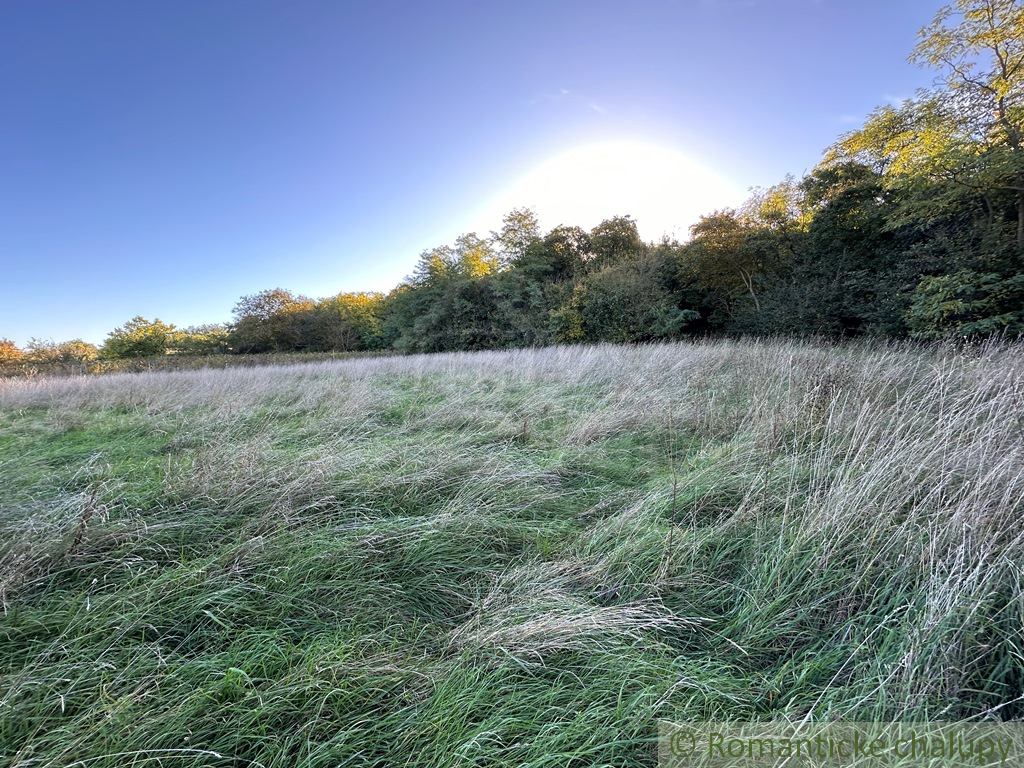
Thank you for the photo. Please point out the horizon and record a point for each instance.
(165, 161)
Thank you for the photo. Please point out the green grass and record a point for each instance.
(516, 558)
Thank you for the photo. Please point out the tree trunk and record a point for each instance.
(1020, 220)
(748, 282)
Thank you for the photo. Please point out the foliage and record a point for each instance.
(9, 352)
(968, 305)
(523, 306)
(348, 322)
(567, 324)
(212, 339)
(561, 256)
(271, 321)
(913, 224)
(845, 266)
(456, 312)
(732, 255)
(614, 241)
(964, 140)
(138, 337)
(628, 302)
(44, 352)
(535, 293)
(520, 230)
(452, 300)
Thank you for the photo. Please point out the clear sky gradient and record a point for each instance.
(164, 158)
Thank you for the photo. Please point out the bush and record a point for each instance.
(967, 304)
(46, 352)
(201, 340)
(138, 337)
(9, 352)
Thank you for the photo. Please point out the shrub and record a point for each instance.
(138, 337)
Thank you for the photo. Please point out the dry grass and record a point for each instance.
(507, 558)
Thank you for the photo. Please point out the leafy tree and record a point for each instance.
(520, 230)
(474, 257)
(614, 241)
(450, 301)
(560, 255)
(935, 173)
(459, 313)
(968, 305)
(138, 337)
(725, 257)
(951, 163)
(538, 282)
(522, 308)
(979, 46)
(348, 322)
(960, 145)
(567, 322)
(272, 321)
(47, 351)
(9, 352)
(469, 257)
(744, 260)
(76, 351)
(212, 339)
(628, 302)
(42, 351)
(846, 266)
(433, 266)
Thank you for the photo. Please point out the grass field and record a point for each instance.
(505, 559)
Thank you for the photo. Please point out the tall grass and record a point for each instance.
(30, 368)
(507, 558)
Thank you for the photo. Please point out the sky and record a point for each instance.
(165, 158)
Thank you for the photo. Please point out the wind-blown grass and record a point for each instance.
(509, 558)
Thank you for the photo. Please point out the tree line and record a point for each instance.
(911, 226)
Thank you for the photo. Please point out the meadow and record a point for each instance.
(518, 558)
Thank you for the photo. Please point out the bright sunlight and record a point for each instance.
(663, 190)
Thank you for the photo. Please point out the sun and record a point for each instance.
(663, 190)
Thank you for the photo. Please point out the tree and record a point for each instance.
(722, 257)
(138, 337)
(459, 312)
(265, 304)
(539, 280)
(469, 257)
(449, 302)
(520, 229)
(523, 303)
(562, 254)
(613, 241)
(474, 257)
(78, 351)
(348, 322)
(9, 352)
(47, 351)
(848, 267)
(433, 266)
(211, 339)
(629, 302)
(738, 257)
(272, 321)
(982, 56)
(951, 162)
(960, 145)
(968, 305)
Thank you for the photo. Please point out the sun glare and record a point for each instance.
(663, 190)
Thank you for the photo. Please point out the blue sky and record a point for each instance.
(165, 158)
